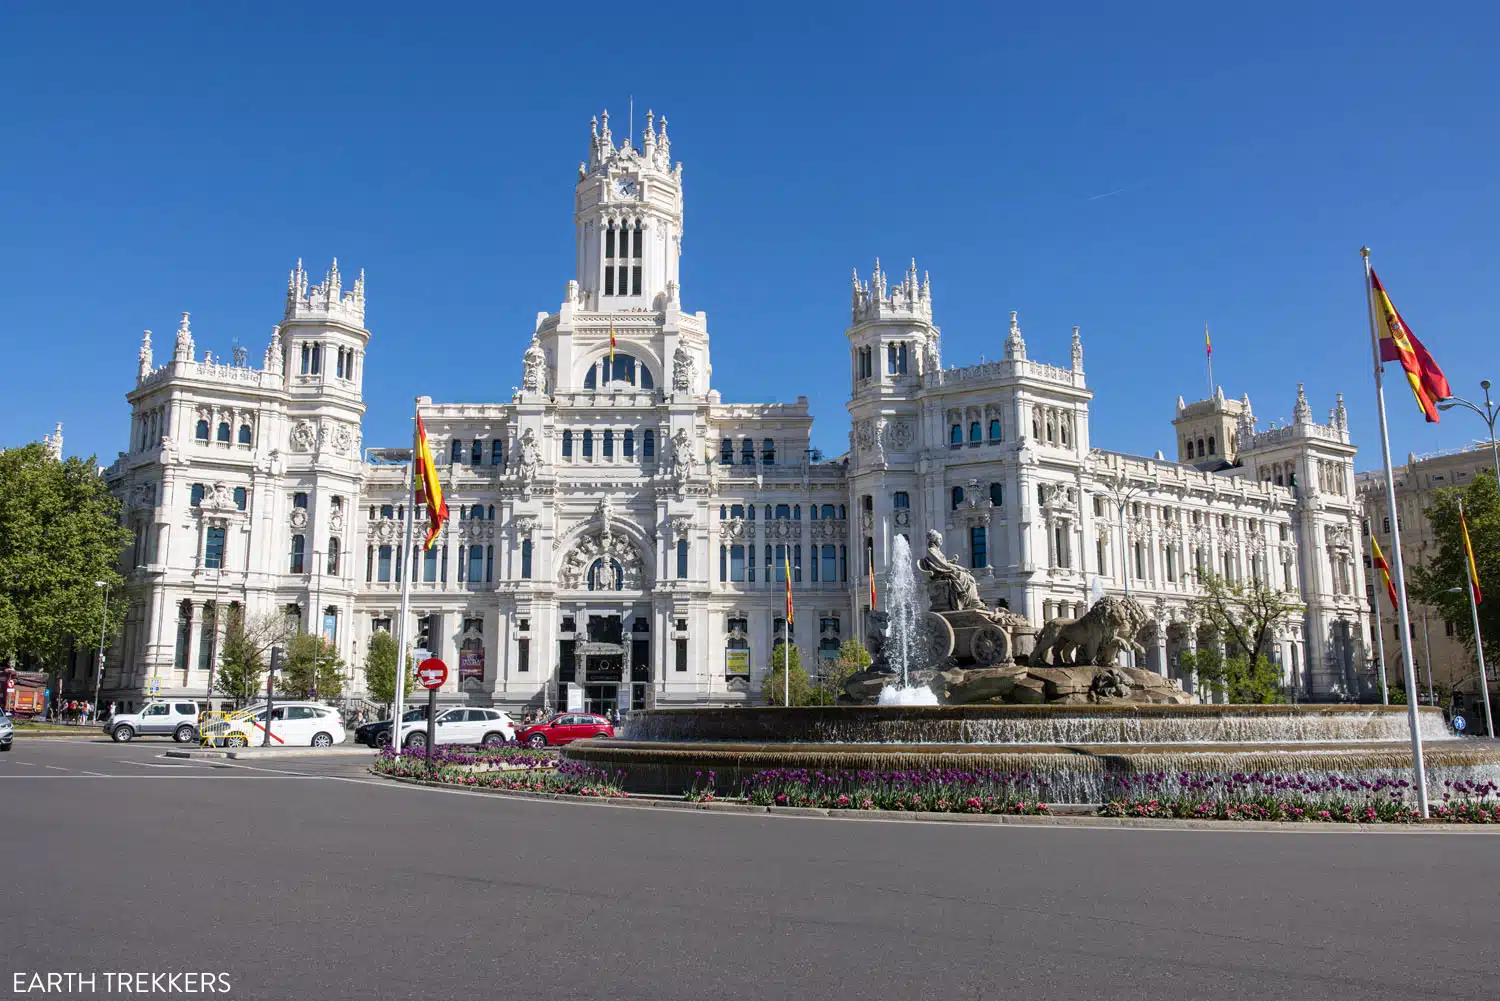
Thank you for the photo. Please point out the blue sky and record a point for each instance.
(1133, 169)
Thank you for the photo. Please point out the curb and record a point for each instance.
(1072, 819)
(253, 753)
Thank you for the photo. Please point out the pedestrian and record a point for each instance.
(111, 710)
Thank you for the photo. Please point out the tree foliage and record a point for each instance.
(829, 685)
(59, 533)
(775, 685)
(1430, 583)
(380, 668)
(312, 668)
(1245, 614)
(1245, 680)
(246, 650)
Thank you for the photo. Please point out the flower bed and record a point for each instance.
(935, 790)
(1297, 798)
(511, 768)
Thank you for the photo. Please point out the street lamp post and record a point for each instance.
(103, 624)
(1489, 414)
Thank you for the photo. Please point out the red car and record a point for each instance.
(564, 728)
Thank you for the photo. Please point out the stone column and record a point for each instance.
(1161, 648)
(195, 644)
(1190, 684)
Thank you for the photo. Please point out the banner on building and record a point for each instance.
(471, 664)
(736, 663)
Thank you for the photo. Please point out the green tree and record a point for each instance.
(246, 649)
(1431, 583)
(853, 658)
(312, 664)
(59, 533)
(380, 668)
(1245, 680)
(775, 683)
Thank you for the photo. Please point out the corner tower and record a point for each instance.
(628, 214)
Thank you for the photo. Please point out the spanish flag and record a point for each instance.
(872, 581)
(787, 560)
(1208, 345)
(1378, 558)
(1398, 343)
(611, 349)
(429, 490)
(1469, 555)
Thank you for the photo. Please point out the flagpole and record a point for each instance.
(401, 626)
(1208, 347)
(1484, 681)
(1419, 766)
(786, 663)
(1385, 692)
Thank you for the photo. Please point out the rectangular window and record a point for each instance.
(213, 551)
(385, 565)
(430, 565)
(797, 563)
(682, 559)
(830, 568)
(648, 444)
(526, 559)
(299, 547)
(779, 559)
(609, 273)
(588, 444)
(737, 563)
(609, 444)
(978, 557)
(635, 279)
(523, 655)
(681, 655)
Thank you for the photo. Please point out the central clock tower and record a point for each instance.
(627, 209)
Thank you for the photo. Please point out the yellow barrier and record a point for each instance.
(229, 729)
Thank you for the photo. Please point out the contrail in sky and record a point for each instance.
(1095, 198)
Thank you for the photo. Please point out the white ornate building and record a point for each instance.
(616, 526)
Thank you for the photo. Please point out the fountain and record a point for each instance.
(963, 686)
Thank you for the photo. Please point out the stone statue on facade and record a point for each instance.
(681, 460)
(951, 588)
(534, 368)
(529, 462)
(682, 370)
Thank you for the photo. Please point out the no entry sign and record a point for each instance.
(432, 672)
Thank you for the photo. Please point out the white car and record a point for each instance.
(175, 718)
(293, 724)
(463, 725)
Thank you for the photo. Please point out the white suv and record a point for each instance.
(464, 725)
(177, 718)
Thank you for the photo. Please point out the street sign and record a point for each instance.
(1460, 724)
(153, 686)
(432, 672)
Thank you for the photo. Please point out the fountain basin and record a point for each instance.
(1074, 748)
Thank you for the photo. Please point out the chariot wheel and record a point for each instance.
(989, 645)
(934, 640)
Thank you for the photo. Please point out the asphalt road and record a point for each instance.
(306, 879)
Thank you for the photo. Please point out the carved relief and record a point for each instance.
(303, 436)
(899, 434)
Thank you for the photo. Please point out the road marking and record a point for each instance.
(148, 764)
(57, 768)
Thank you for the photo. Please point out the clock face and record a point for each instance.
(624, 187)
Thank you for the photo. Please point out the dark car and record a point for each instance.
(564, 728)
(378, 734)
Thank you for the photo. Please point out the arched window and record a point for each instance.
(829, 511)
(750, 511)
(201, 431)
(333, 557)
(490, 513)
(768, 452)
(626, 371)
(456, 452)
(567, 446)
(1211, 450)
(476, 453)
(796, 512)
(627, 444)
(609, 444)
(783, 511)
(843, 512)
(606, 574)
(956, 434)
(497, 452)
(241, 498)
(958, 497)
(997, 495)
(317, 358)
(1063, 429)
(726, 452)
(648, 444)
(244, 434)
(588, 444)
(195, 496)
(723, 512)
(995, 434)
(747, 452)
(974, 432)
(222, 435)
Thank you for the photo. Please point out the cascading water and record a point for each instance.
(902, 604)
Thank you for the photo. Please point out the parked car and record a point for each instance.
(175, 718)
(378, 734)
(293, 724)
(462, 725)
(7, 731)
(564, 728)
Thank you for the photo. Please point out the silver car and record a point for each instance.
(175, 718)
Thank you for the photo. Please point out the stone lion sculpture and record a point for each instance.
(1097, 638)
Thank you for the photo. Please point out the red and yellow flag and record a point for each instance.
(429, 490)
(1378, 558)
(787, 559)
(872, 582)
(1398, 343)
(1469, 555)
(611, 349)
(1208, 345)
